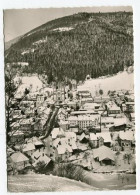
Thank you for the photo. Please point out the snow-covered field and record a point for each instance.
(32, 82)
(122, 80)
(44, 183)
(50, 183)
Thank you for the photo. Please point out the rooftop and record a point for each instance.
(103, 152)
(18, 157)
(28, 147)
(126, 135)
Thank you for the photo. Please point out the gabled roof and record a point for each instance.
(28, 147)
(105, 135)
(38, 143)
(71, 135)
(18, 157)
(126, 135)
(36, 154)
(103, 153)
(61, 149)
(40, 157)
(120, 121)
(35, 140)
(57, 132)
(107, 120)
(56, 141)
(83, 135)
(93, 136)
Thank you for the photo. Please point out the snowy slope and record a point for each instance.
(122, 80)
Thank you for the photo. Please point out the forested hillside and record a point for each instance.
(74, 46)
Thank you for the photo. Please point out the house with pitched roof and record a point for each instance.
(16, 137)
(104, 155)
(19, 161)
(57, 132)
(39, 156)
(126, 139)
(28, 148)
(62, 114)
(100, 139)
(96, 141)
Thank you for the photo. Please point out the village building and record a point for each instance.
(96, 141)
(107, 121)
(112, 108)
(16, 137)
(104, 155)
(29, 112)
(28, 148)
(74, 129)
(86, 100)
(84, 138)
(15, 126)
(9, 151)
(48, 148)
(64, 125)
(83, 112)
(91, 106)
(40, 99)
(62, 149)
(19, 161)
(62, 114)
(101, 99)
(81, 147)
(84, 121)
(84, 93)
(72, 104)
(27, 103)
(132, 117)
(39, 156)
(129, 98)
(123, 107)
(119, 102)
(119, 124)
(26, 125)
(57, 132)
(106, 137)
(88, 121)
(126, 139)
(100, 139)
(16, 117)
(130, 107)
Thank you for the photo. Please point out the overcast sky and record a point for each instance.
(19, 21)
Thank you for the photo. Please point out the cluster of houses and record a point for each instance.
(89, 131)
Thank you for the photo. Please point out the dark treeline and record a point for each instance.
(99, 44)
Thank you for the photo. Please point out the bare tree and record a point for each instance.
(10, 89)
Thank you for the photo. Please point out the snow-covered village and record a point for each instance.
(75, 132)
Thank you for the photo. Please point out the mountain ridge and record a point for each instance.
(77, 45)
